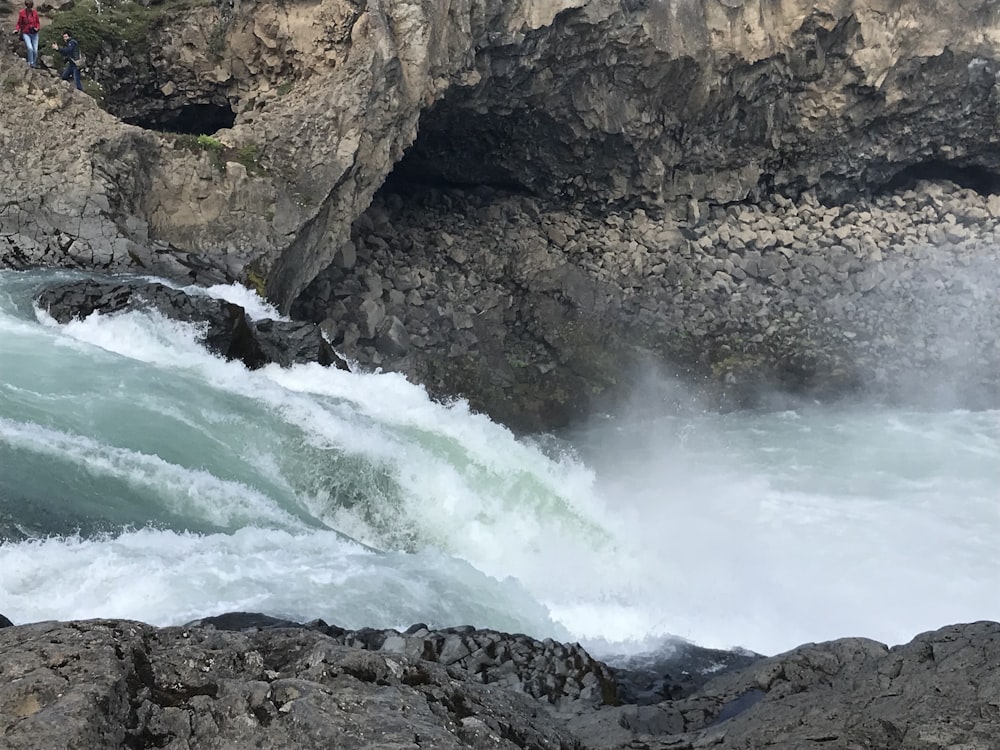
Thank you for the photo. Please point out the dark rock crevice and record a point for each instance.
(190, 119)
(984, 181)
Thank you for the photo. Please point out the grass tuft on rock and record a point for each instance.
(249, 156)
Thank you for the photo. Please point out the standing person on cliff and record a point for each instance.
(71, 52)
(28, 24)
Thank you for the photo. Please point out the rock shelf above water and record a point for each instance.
(247, 680)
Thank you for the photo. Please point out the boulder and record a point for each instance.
(228, 330)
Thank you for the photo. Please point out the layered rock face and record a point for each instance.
(242, 680)
(723, 101)
(327, 97)
(541, 312)
(599, 112)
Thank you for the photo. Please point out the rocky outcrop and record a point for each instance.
(541, 314)
(560, 675)
(930, 693)
(326, 99)
(105, 684)
(224, 327)
(243, 679)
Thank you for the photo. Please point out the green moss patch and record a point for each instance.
(249, 155)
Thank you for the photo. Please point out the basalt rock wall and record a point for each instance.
(543, 314)
(326, 97)
(723, 102)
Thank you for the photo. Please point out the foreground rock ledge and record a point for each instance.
(117, 683)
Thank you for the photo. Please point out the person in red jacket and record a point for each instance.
(28, 25)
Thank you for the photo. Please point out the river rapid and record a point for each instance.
(142, 477)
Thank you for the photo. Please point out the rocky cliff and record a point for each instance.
(563, 190)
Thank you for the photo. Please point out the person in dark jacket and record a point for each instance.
(71, 52)
(28, 25)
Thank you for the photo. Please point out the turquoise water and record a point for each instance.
(142, 477)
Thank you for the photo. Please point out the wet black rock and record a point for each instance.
(243, 622)
(677, 671)
(227, 329)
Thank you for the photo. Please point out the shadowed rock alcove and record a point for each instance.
(191, 119)
(980, 179)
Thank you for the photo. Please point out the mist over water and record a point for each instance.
(141, 477)
(814, 524)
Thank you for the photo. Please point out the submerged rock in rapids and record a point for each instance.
(230, 332)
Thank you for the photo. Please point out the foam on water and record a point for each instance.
(755, 530)
(167, 578)
(809, 526)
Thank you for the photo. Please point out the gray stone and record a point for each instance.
(244, 679)
(371, 313)
(394, 339)
(229, 332)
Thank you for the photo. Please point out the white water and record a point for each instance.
(235, 490)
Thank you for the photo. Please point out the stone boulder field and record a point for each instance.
(530, 203)
(242, 680)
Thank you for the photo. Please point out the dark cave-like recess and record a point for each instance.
(450, 159)
(457, 147)
(980, 179)
(193, 119)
